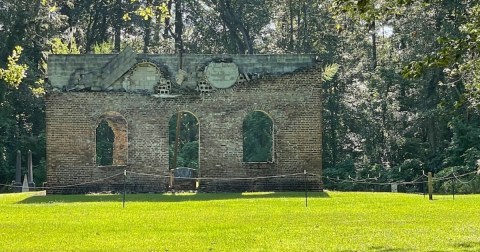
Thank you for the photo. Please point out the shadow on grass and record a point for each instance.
(381, 249)
(468, 246)
(179, 197)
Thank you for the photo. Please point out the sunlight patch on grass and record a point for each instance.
(10, 198)
(257, 193)
(180, 194)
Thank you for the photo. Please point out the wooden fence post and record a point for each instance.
(430, 186)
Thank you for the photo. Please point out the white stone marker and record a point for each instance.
(25, 184)
(394, 187)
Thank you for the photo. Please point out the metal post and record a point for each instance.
(124, 186)
(423, 183)
(18, 173)
(423, 187)
(306, 192)
(31, 184)
(453, 188)
(170, 179)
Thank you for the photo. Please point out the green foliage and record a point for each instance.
(188, 145)
(453, 178)
(377, 119)
(408, 170)
(14, 73)
(104, 144)
(189, 155)
(148, 12)
(60, 47)
(341, 170)
(464, 148)
(372, 10)
(329, 72)
(228, 26)
(257, 137)
(381, 122)
(103, 48)
(457, 55)
(22, 122)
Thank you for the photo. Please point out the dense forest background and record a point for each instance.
(404, 101)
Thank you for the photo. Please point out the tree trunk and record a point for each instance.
(146, 35)
(305, 29)
(118, 25)
(374, 45)
(92, 23)
(299, 31)
(246, 37)
(238, 41)
(234, 24)
(167, 19)
(179, 32)
(18, 32)
(334, 124)
(178, 27)
(290, 42)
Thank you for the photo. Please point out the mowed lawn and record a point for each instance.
(333, 221)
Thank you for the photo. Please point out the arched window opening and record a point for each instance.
(111, 140)
(184, 147)
(105, 138)
(257, 138)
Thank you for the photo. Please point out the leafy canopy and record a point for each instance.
(14, 73)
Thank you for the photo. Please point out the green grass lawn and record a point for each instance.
(333, 221)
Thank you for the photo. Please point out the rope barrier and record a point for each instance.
(466, 174)
(67, 186)
(463, 175)
(449, 177)
(160, 176)
(364, 181)
(444, 178)
(333, 180)
(223, 178)
(148, 174)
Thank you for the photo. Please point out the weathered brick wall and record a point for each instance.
(293, 101)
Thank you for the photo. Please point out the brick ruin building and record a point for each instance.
(138, 94)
